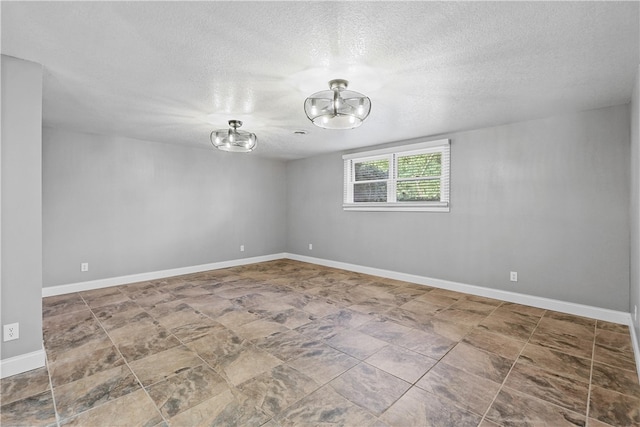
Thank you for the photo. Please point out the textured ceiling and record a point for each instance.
(173, 71)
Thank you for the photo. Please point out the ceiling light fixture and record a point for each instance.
(232, 139)
(337, 108)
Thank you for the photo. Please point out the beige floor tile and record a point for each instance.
(323, 363)
(522, 309)
(67, 303)
(614, 349)
(478, 362)
(114, 316)
(551, 387)
(346, 318)
(18, 387)
(218, 347)
(511, 325)
(72, 331)
(556, 361)
(441, 300)
(422, 306)
(402, 363)
(419, 408)
(100, 297)
(453, 331)
(321, 307)
(292, 318)
(77, 365)
(248, 364)
(613, 327)
(180, 315)
(224, 409)
(259, 329)
(576, 339)
(133, 409)
(563, 327)
(160, 366)
(142, 339)
(488, 423)
(427, 343)
(89, 392)
(236, 318)
(186, 389)
(370, 388)
(355, 343)
(211, 306)
(477, 307)
(495, 343)
(288, 345)
(512, 408)
(470, 392)
(571, 318)
(592, 422)
(385, 330)
(412, 319)
(35, 410)
(325, 407)
(275, 390)
(615, 379)
(614, 408)
(323, 328)
(198, 327)
(460, 317)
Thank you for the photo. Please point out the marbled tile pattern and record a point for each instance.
(286, 343)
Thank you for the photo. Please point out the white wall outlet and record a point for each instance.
(241, 248)
(84, 266)
(310, 247)
(513, 276)
(11, 332)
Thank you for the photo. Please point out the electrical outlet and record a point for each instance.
(84, 266)
(310, 247)
(513, 276)
(241, 248)
(11, 331)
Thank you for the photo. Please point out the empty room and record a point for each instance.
(320, 213)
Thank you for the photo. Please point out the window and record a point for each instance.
(408, 178)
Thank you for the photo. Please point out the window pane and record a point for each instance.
(372, 169)
(420, 165)
(418, 191)
(370, 192)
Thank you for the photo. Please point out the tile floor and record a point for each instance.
(286, 343)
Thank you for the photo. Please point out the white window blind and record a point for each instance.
(412, 178)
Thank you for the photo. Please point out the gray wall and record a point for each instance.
(546, 198)
(634, 283)
(21, 223)
(128, 206)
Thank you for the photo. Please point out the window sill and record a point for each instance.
(397, 207)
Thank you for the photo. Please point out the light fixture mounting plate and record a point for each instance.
(338, 84)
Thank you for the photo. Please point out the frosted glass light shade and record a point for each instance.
(234, 140)
(337, 108)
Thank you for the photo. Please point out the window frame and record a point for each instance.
(439, 146)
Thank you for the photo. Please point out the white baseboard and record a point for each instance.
(634, 342)
(154, 275)
(22, 363)
(540, 302)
